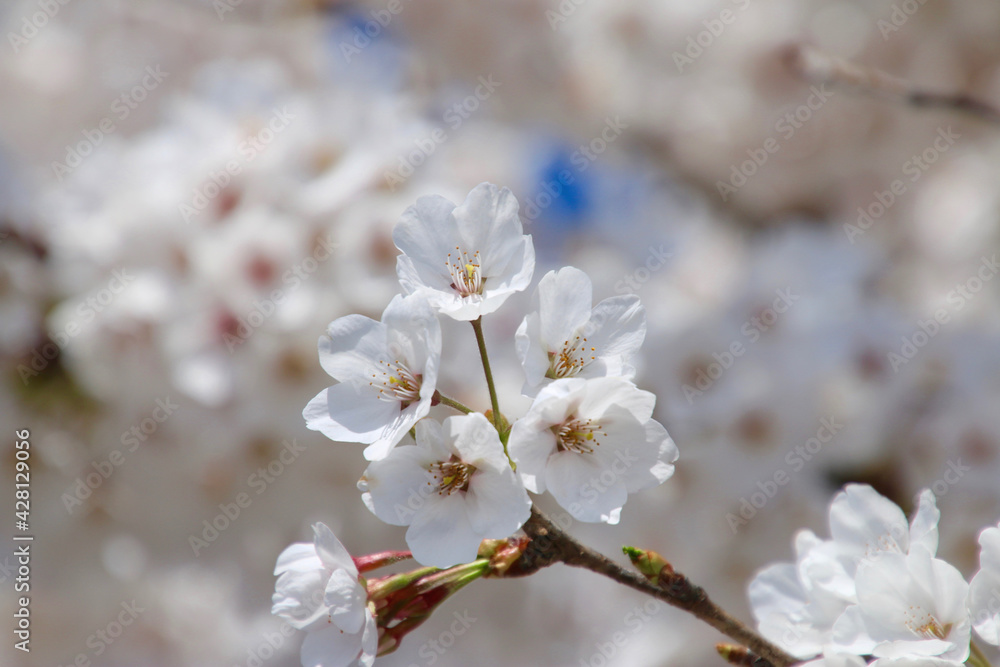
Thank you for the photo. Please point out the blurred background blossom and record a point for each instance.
(190, 190)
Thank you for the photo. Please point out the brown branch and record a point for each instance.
(549, 544)
(822, 68)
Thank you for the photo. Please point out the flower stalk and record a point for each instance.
(477, 326)
(441, 399)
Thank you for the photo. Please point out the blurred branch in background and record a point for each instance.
(819, 67)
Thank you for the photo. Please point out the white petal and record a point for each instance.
(575, 482)
(396, 429)
(530, 446)
(532, 354)
(397, 486)
(441, 535)
(603, 393)
(298, 598)
(369, 642)
(617, 329)
(924, 525)
(476, 441)
(346, 414)
(346, 599)
(655, 458)
(352, 347)
(425, 234)
(413, 335)
(496, 504)
(488, 221)
(330, 550)
(414, 278)
(298, 557)
(984, 591)
(866, 522)
(851, 634)
(431, 436)
(563, 302)
(779, 604)
(330, 646)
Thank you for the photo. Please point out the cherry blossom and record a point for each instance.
(909, 606)
(454, 488)
(387, 373)
(469, 258)
(797, 604)
(564, 337)
(319, 591)
(591, 443)
(984, 590)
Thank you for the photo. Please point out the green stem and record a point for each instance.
(452, 403)
(977, 658)
(477, 326)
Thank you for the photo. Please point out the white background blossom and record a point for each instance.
(668, 137)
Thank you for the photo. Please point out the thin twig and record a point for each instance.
(451, 403)
(822, 68)
(551, 545)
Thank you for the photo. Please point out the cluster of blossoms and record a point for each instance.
(588, 437)
(877, 590)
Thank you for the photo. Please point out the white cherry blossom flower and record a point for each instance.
(834, 659)
(984, 590)
(564, 337)
(319, 591)
(591, 443)
(469, 258)
(453, 489)
(387, 373)
(797, 604)
(909, 606)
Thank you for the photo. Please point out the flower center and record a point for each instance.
(451, 475)
(466, 276)
(571, 358)
(883, 544)
(397, 383)
(577, 436)
(925, 625)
